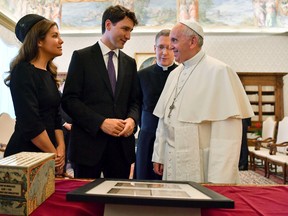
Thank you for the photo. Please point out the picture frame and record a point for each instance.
(150, 193)
(7, 22)
(144, 59)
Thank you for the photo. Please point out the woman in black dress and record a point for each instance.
(34, 89)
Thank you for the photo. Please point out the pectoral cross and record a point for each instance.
(171, 107)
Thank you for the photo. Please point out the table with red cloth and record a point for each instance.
(249, 201)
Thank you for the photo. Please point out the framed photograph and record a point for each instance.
(152, 193)
(144, 60)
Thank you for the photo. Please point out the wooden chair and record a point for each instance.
(279, 150)
(260, 149)
(7, 125)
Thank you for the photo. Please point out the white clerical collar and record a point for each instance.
(105, 49)
(165, 68)
(194, 60)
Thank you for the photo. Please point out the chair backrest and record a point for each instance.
(7, 125)
(282, 134)
(268, 128)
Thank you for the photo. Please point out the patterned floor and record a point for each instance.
(251, 177)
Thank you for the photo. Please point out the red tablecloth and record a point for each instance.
(252, 201)
(249, 201)
(56, 204)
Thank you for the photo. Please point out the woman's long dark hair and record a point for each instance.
(29, 49)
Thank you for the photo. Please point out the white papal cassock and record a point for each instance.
(201, 139)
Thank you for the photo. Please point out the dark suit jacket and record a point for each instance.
(88, 100)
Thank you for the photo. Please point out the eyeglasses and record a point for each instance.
(162, 47)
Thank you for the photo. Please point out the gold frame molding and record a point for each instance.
(141, 57)
(7, 22)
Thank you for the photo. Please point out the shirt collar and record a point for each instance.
(105, 50)
(194, 60)
(165, 68)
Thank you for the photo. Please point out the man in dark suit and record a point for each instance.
(104, 118)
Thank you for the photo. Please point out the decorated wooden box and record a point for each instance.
(27, 179)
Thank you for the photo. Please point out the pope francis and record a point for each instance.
(199, 132)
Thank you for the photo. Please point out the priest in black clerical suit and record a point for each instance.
(152, 81)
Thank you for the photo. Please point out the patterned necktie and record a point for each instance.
(111, 71)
